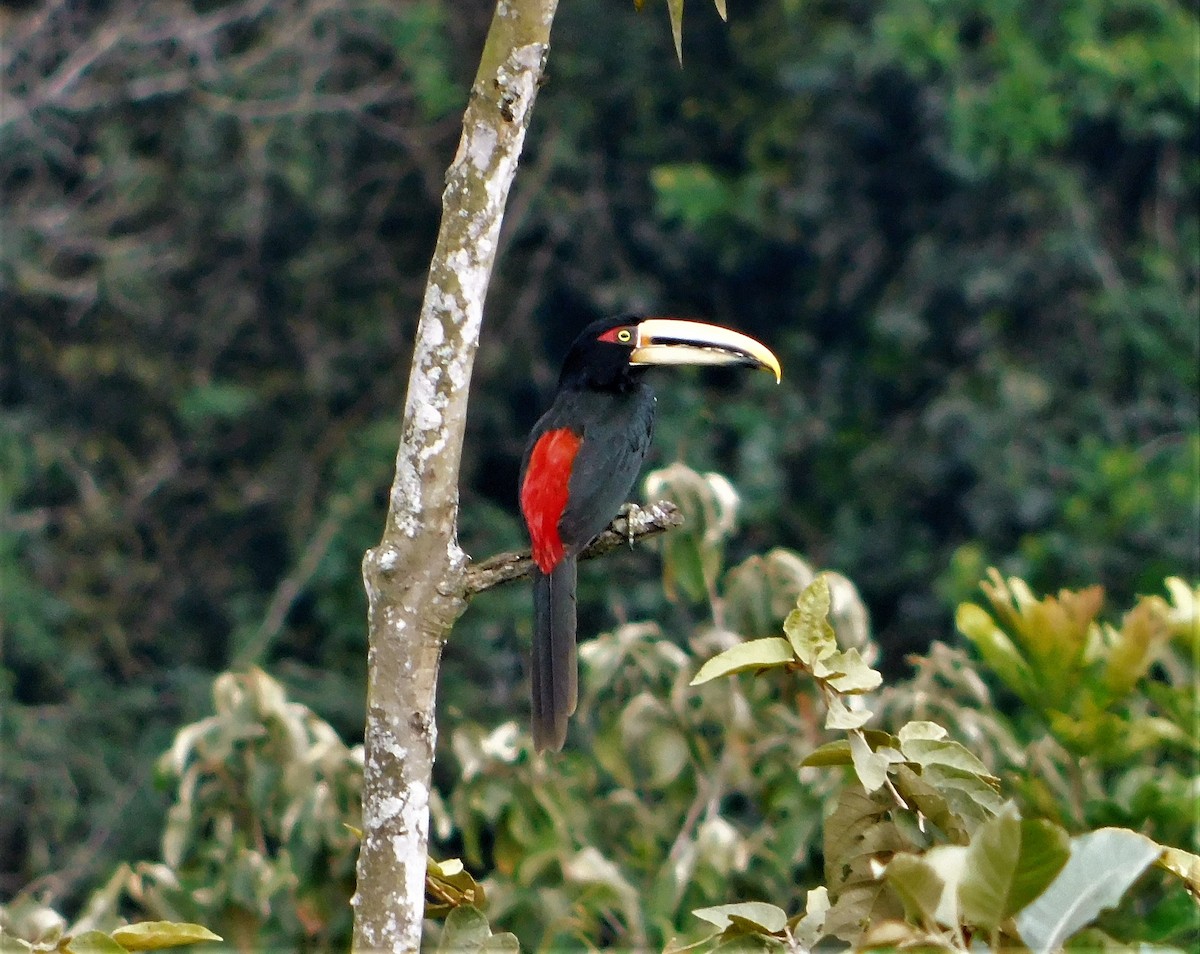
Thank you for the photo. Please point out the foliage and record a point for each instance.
(694, 791)
(260, 840)
(925, 853)
(934, 840)
(1078, 675)
(46, 931)
(967, 232)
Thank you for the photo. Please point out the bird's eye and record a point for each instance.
(622, 334)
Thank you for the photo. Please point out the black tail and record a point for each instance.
(555, 671)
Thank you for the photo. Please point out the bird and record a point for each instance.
(580, 464)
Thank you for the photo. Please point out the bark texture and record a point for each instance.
(415, 577)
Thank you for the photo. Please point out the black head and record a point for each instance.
(600, 357)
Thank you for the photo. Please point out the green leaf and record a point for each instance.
(93, 942)
(848, 672)
(918, 885)
(921, 730)
(761, 590)
(688, 565)
(694, 556)
(1135, 647)
(807, 627)
(926, 799)
(448, 885)
(756, 654)
(1102, 866)
(840, 716)
(1045, 849)
(153, 935)
(998, 651)
(1009, 863)
(949, 862)
(809, 928)
(871, 767)
(858, 836)
(467, 931)
(740, 942)
(675, 8)
(838, 753)
(831, 753)
(765, 916)
(926, 752)
(970, 796)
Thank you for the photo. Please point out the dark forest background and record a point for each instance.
(968, 229)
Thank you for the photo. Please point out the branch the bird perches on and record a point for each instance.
(627, 528)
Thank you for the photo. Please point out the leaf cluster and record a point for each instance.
(925, 852)
(50, 936)
(1079, 674)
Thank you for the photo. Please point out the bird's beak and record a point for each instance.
(673, 341)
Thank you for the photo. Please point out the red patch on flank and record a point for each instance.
(544, 493)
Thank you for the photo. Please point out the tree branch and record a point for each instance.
(625, 530)
(414, 577)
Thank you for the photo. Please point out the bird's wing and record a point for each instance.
(615, 442)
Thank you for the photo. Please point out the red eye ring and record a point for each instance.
(622, 335)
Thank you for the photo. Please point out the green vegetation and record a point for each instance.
(967, 229)
(804, 800)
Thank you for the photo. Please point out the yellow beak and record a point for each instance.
(674, 341)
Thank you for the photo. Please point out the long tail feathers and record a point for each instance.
(555, 672)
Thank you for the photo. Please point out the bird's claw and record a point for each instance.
(627, 513)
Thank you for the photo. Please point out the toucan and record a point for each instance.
(580, 464)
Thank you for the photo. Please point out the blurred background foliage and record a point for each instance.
(968, 229)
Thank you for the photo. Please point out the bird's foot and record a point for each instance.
(629, 513)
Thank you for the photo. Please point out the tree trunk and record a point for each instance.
(415, 577)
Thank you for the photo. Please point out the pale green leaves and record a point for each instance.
(765, 916)
(761, 590)
(467, 932)
(694, 554)
(812, 637)
(157, 935)
(1102, 866)
(756, 655)
(1009, 862)
(758, 926)
(871, 767)
(807, 626)
(143, 936)
(810, 645)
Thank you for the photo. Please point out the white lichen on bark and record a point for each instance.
(415, 577)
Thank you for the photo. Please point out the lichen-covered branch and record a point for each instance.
(625, 530)
(414, 577)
